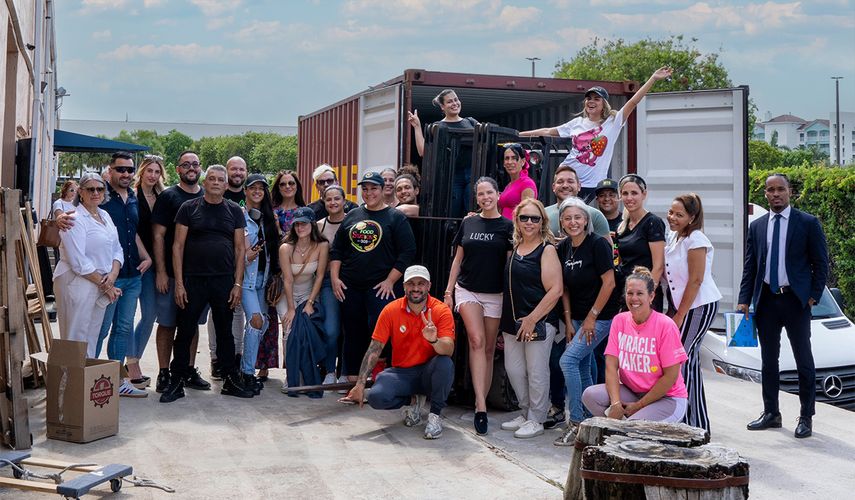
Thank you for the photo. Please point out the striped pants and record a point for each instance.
(695, 326)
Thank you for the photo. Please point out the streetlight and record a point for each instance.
(532, 59)
(837, 114)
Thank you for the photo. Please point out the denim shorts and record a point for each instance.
(490, 302)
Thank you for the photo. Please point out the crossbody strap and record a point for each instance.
(510, 286)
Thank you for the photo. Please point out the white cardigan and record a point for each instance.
(677, 268)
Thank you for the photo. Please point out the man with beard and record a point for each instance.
(236, 167)
(208, 262)
(163, 223)
(124, 212)
(421, 329)
(607, 202)
(565, 183)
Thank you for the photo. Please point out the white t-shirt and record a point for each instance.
(677, 268)
(593, 146)
(60, 204)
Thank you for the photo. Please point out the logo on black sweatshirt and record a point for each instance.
(365, 235)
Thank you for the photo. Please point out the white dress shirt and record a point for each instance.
(677, 268)
(89, 245)
(782, 242)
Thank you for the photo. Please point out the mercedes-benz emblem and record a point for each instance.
(832, 386)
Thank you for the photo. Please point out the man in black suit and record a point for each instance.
(786, 264)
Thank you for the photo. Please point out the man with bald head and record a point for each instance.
(236, 167)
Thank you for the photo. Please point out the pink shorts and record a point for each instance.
(490, 302)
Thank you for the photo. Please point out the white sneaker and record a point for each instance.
(433, 429)
(568, 437)
(342, 380)
(329, 379)
(284, 388)
(413, 414)
(529, 429)
(128, 390)
(512, 425)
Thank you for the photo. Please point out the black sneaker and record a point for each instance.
(250, 382)
(173, 391)
(216, 374)
(194, 380)
(553, 418)
(481, 422)
(233, 386)
(162, 380)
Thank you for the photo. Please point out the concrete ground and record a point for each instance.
(211, 446)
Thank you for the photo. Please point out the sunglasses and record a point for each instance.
(153, 157)
(124, 170)
(325, 182)
(287, 183)
(93, 189)
(187, 164)
(533, 218)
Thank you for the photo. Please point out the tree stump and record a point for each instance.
(628, 468)
(593, 432)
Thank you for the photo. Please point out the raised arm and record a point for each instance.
(660, 74)
(548, 131)
(413, 120)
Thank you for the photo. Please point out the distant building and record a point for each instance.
(785, 128)
(815, 133)
(847, 137)
(112, 128)
(759, 132)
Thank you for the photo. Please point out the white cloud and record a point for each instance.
(102, 35)
(153, 3)
(513, 17)
(215, 23)
(421, 10)
(259, 29)
(750, 19)
(191, 52)
(530, 47)
(98, 5)
(213, 8)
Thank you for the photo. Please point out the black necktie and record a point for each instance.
(773, 259)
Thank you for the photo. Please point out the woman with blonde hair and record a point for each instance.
(595, 131)
(532, 287)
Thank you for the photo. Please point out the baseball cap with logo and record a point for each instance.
(254, 178)
(304, 214)
(606, 184)
(372, 178)
(416, 272)
(599, 91)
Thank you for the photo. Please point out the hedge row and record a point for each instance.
(829, 194)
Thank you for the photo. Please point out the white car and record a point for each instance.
(832, 342)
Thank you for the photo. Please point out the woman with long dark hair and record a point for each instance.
(482, 245)
(334, 203)
(521, 187)
(261, 263)
(287, 197)
(694, 295)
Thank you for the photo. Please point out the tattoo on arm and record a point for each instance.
(370, 360)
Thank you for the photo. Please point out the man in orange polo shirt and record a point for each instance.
(421, 329)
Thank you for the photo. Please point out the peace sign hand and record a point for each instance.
(429, 330)
(413, 119)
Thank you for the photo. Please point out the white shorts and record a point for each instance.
(490, 302)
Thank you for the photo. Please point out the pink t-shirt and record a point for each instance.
(644, 351)
(512, 195)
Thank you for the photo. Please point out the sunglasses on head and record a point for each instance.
(124, 170)
(153, 157)
(533, 218)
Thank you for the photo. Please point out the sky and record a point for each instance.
(266, 62)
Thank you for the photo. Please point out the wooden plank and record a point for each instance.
(6, 284)
(57, 464)
(22, 484)
(33, 345)
(35, 269)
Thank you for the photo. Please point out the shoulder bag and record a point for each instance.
(540, 326)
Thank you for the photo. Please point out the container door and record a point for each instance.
(697, 142)
(379, 129)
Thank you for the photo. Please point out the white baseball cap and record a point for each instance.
(416, 272)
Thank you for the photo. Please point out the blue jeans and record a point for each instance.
(332, 326)
(395, 387)
(253, 302)
(576, 363)
(148, 313)
(120, 315)
(461, 191)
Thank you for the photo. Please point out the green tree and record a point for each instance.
(763, 155)
(774, 141)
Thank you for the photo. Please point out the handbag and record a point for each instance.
(274, 289)
(539, 327)
(48, 234)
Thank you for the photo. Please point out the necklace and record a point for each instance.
(303, 252)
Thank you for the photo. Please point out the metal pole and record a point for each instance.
(837, 116)
(532, 59)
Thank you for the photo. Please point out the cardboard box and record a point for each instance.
(82, 394)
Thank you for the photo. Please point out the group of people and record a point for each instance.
(578, 289)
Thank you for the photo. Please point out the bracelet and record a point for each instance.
(447, 293)
(595, 312)
(238, 285)
(434, 342)
(567, 311)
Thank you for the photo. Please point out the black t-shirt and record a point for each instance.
(238, 197)
(582, 269)
(371, 243)
(144, 226)
(168, 203)
(634, 244)
(486, 243)
(464, 156)
(210, 246)
(526, 284)
(614, 223)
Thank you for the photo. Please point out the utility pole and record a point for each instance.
(837, 116)
(532, 59)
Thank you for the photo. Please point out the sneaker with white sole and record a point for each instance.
(413, 414)
(329, 379)
(128, 390)
(512, 425)
(433, 429)
(554, 417)
(529, 429)
(568, 437)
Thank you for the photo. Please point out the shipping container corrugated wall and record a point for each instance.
(330, 136)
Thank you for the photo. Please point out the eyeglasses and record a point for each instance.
(325, 182)
(287, 183)
(153, 157)
(124, 170)
(533, 218)
(93, 189)
(187, 164)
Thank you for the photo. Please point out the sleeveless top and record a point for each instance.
(303, 283)
(524, 280)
